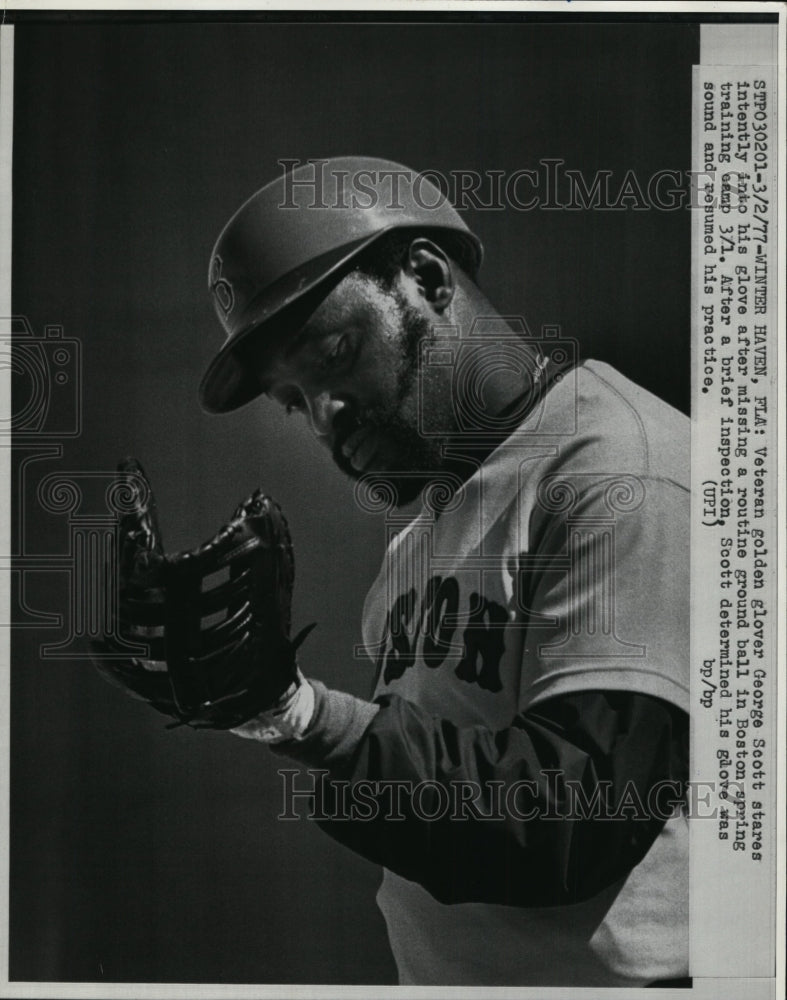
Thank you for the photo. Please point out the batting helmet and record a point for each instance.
(296, 235)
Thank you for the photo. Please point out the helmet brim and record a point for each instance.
(284, 307)
(229, 383)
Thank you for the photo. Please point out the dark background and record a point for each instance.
(140, 854)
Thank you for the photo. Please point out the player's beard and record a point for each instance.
(406, 459)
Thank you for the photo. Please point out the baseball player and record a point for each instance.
(519, 771)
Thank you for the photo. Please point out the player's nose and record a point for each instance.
(323, 410)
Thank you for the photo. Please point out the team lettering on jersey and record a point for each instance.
(427, 631)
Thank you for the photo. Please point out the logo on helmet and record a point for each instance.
(221, 288)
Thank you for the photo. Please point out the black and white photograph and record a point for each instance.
(393, 475)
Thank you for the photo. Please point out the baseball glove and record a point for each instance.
(211, 657)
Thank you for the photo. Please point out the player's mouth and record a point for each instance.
(360, 448)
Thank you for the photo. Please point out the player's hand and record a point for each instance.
(216, 657)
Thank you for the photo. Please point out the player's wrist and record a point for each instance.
(332, 738)
(288, 719)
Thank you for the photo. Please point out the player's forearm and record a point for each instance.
(557, 756)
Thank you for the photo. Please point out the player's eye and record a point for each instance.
(337, 355)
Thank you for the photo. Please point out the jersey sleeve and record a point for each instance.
(602, 592)
(548, 811)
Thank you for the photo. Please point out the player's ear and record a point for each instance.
(431, 269)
